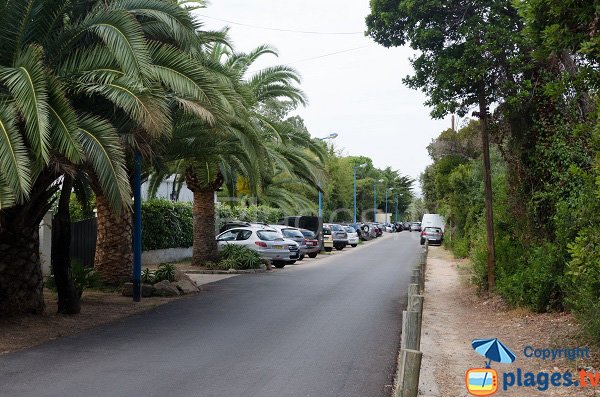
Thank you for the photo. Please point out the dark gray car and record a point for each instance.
(433, 234)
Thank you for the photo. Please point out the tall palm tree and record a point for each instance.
(80, 81)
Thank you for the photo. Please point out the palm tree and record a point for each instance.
(80, 81)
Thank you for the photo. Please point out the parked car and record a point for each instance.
(312, 243)
(267, 242)
(433, 234)
(353, 238)
(389, 228)
(312, 223)
(327, 238)
(378, 229)
(340, 237)
(294, 234)
(406, 225)
(398, 227)
(415, 227)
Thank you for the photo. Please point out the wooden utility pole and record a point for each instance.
(487, 177)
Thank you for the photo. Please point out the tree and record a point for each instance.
(468, 55)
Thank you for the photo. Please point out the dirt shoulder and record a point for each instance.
(454, 315)
(97, 308)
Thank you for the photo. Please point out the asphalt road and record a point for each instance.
(326, 327)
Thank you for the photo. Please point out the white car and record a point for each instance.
(269, 243)
(353, 238)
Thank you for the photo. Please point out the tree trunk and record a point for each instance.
(68, 296)
(489, 210)
(21, 279)
(114, 246)
(205, 245)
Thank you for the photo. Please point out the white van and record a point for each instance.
(433, 220)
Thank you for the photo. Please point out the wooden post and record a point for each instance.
(411, 332)
(413, 289)
(410, 362)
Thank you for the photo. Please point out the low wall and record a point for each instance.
(156, 257)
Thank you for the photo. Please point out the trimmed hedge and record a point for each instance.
(166, 224)
(169, 224)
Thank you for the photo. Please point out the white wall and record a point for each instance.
(165, 189)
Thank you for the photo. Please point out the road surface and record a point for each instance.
(325, 327)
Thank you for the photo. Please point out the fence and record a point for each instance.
(412, 318)
(83, 241)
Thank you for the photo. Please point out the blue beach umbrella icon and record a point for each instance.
(493, 350)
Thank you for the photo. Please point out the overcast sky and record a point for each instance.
(358, 93)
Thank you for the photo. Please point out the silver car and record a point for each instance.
(291, 233)
(433, 234)
(267, 242)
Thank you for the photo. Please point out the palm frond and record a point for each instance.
(14, 160)
(104, 153)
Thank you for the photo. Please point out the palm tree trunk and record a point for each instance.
(68, 296)
(205, 245)
(21, 279)
(114, 247)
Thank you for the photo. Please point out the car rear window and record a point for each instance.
(269, 235)
(292, 233)
(350, 229)
(433, 229)
(337, 228)
(308, 234)
(326, 231)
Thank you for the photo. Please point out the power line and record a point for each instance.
(328, 55)
(281, 30)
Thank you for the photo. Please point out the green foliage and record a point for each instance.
(166, 224)
(255, 213)
(241, 257)
(165, 272)
(147, 276)
(83, 278)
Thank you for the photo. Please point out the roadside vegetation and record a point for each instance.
(530, 69)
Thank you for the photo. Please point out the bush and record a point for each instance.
(83, 278)
(166, 224)
(242, 257)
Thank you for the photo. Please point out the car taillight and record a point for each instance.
(423, 233)
(261, 244)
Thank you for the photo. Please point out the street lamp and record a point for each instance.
(396, 206)
(386, 204)
(333, 135)
(375, 199)
(355, 167)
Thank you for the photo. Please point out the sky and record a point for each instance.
(357, 92)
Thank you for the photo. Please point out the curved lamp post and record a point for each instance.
(375, 199)
(333, 135)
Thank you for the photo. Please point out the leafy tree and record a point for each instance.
(468, 54)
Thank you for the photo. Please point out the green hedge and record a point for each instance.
(166, 225)
(170, 225)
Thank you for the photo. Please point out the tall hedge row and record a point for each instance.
(168, 224)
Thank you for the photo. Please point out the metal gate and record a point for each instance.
(83, 241)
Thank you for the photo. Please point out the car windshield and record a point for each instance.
(350, 229)
(292, 233)
(308, 234)
(269, 235)
(337, 228)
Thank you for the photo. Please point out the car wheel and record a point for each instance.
(328, 249)
(422, 241)
(301, 257)
(291, 262)
(353, 245)
(313, 255)
(279, 265)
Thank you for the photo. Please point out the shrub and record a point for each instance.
(242, 257)
(83, 278)
(165, 271)
(166, 224)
